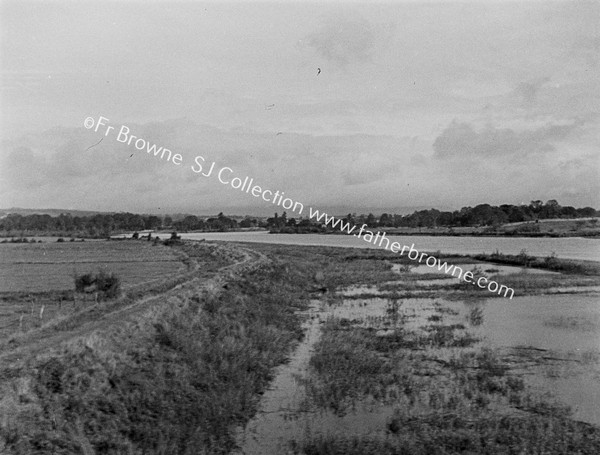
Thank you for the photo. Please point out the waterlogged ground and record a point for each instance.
(396, 368)
(285, 413)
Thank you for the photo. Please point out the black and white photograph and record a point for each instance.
(325, 227)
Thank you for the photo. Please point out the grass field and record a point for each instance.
(38, 267)
(37, 279)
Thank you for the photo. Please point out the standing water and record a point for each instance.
(277, 420)
(284, 413)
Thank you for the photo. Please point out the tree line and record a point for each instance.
(104, 225)
(480, 215)
(484, 215)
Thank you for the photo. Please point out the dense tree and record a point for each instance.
(152, 222)
(550, 209)
(371, 220)
(386, 220)
(248, 222)
(587, 212)
(568, 212)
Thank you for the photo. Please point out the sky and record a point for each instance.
(343, 106)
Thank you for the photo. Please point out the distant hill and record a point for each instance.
(235, 212)
(51, 212)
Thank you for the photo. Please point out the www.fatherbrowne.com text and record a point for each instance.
(412, 253)
(227, 176)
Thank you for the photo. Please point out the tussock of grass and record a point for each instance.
(345, 369)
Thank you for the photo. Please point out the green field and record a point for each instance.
(39, 267)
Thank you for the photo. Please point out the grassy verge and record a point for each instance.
(177, 380)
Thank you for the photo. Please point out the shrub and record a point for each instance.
(83, 281)
(523, 258)
(551, 261)
(108, 285)
(476, 316)
(174, 240)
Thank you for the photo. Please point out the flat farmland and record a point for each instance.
(39, 267)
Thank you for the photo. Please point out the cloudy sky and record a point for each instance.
(434, 104)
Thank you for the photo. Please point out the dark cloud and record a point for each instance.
(313, 166)
(462, 140)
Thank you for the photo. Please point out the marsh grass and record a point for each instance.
(345, 369)
(533, 283)
(450, 395)
(551, 262)
(476, 317)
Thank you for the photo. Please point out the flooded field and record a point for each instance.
(410, 356)
(562, 334)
